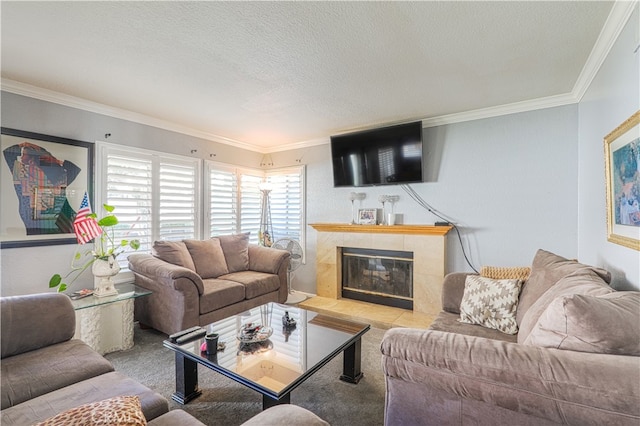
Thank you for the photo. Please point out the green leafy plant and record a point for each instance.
(105, 247)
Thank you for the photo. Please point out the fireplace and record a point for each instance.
(378, 276)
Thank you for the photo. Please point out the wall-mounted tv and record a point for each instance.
(383, 156)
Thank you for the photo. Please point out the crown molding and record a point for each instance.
(613, 26)
(47, 95)
(617, 19)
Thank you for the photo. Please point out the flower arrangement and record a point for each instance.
(87, 228)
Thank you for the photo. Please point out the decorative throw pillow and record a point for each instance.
(582, 281)
(546, 269)
(174, 252)
(236, 251)
(208, 257)
(605, 324)
(117, 411)
(490, 303)
(506, 273)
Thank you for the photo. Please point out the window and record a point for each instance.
(287, 203)
(235, 201)
(156, 196)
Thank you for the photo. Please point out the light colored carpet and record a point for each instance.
(225, 402)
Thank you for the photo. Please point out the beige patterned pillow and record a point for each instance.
(490, 303)
(117, 411)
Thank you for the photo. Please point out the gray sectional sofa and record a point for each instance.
(574, 360)
(197, 282)
(48, 375)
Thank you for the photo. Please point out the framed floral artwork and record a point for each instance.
(622, 168)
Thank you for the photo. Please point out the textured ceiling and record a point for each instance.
(278, 73)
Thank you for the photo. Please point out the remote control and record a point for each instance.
(174, 336)
(191, 336)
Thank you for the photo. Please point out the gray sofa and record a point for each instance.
(45, 373)
(574, 360)
(198, 282)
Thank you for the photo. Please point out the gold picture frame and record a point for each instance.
(622, 168)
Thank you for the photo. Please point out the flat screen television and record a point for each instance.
(383, 156)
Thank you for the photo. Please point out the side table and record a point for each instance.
(106, 323)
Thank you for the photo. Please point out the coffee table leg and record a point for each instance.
(351, 363)
(186, 380)
(268, 402)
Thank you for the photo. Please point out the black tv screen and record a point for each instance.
(383, 156)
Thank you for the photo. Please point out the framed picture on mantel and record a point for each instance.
(622, 167)
(367, 216)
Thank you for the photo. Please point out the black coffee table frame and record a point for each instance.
(186, 366)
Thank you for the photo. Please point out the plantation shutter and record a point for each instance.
(129, 190)
(223, 200)
(155, 196)
(250, 205)
(287, 203)
(178, 217)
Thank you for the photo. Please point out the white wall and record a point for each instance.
(613, 96)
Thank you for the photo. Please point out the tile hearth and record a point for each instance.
(378, 316)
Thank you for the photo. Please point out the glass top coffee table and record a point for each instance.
(274, 366)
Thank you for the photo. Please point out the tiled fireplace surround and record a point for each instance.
(427, 243)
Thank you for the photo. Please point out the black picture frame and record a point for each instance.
(42, 182)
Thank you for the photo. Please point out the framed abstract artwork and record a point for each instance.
(622, 168)
(42, 182)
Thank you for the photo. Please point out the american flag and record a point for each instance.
(86, 228)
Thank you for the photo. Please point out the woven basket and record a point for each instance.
(506, 273)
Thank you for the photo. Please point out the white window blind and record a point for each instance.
(223, 201)
(178, 185)
(250, 205)
(287, 203)
(129, 189)
(234, 201)
(156, 196)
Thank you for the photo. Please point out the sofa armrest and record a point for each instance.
(35, 321)
(452, 291)
(162, 272)
(268, 260)
(562, 386)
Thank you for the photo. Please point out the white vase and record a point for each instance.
(103, 271)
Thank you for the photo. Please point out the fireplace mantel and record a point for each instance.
(382, 229)
(426, 242)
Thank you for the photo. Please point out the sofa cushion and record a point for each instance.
(598, 324)
(16, 321)
(581, 281)
(41, 371)
(285, 415)
(174, 418)
(119, 410)
(546, 269)
(95, 389)
(208, 257)
(490, 303)
(219, 293)
(236, 251)
(255, 283)
(450, 323)
(174, 252)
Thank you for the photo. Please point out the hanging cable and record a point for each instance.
(422, 203)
